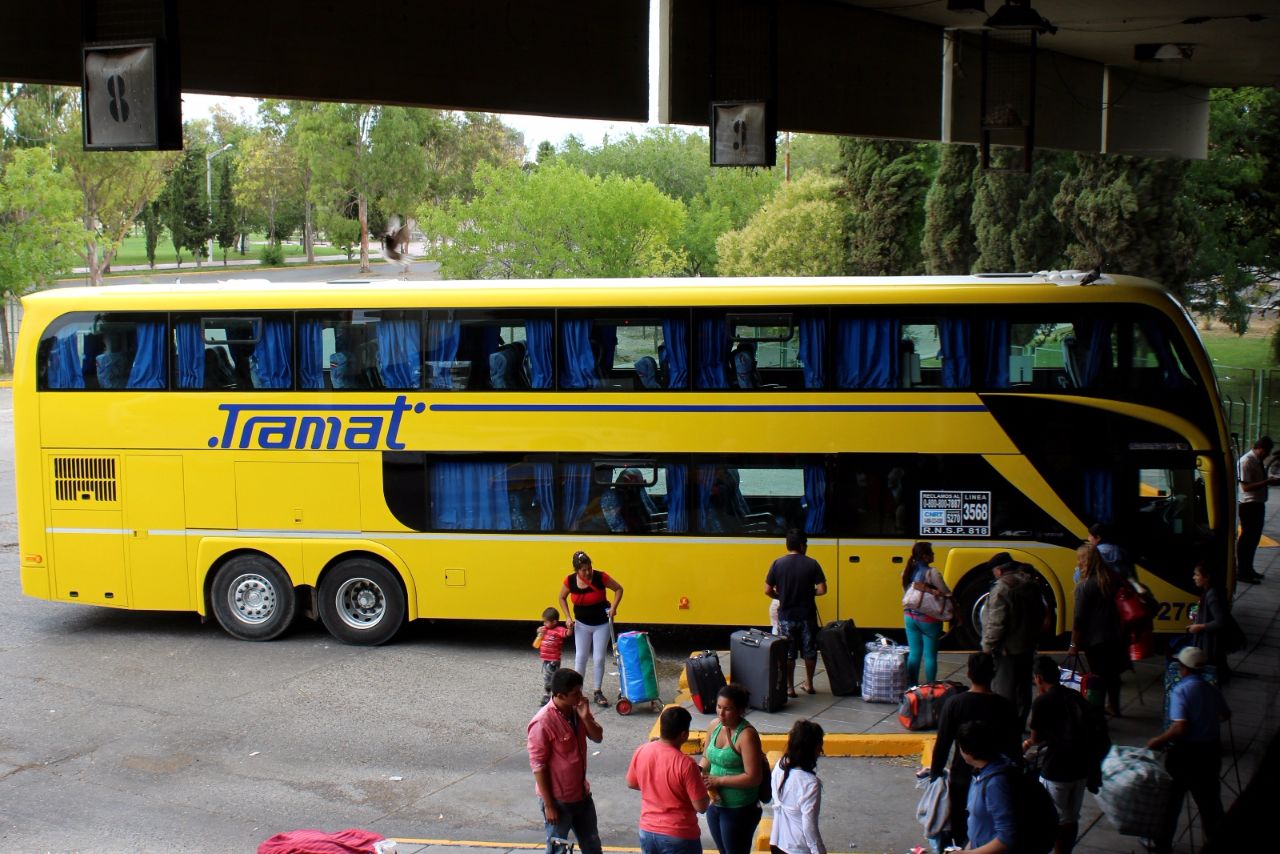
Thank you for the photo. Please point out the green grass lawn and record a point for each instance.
(1252, 350)
(134, 251)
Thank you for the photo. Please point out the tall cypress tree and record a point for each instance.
(884, 184)
(151, 230)
(997, 202)
(1037, 239)
(225, 216)
(949, 243)
(1130, 215)
(183, 208)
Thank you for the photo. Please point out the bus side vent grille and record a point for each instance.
(84, 479)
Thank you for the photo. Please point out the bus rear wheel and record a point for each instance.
(253, 598)
(361, 602)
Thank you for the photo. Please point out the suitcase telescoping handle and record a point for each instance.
(751, 639)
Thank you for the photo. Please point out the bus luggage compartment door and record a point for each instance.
(155, 535)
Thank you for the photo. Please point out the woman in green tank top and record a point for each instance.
(733, 764)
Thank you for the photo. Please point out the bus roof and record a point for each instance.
(378, 293)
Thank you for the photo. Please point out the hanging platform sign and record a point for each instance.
(740, 134)
(121, 105)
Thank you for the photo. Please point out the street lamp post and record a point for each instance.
(208, 188)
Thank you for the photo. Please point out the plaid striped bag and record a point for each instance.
(1135, 788)
(884, 671)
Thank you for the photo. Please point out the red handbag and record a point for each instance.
(1129, 604)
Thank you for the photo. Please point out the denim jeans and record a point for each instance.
(733, 828)
(580, 817)
(660, 843)
(922, 639)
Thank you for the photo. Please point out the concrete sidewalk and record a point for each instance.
(883, 793)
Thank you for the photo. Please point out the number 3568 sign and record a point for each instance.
(955, 514)
(120, 101)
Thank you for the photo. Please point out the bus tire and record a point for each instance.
(970, 596)
(361, 602)
(253, 598)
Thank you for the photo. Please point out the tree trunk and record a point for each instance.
(308, 237)
(362, 207)
(5, 353)
(92, 265)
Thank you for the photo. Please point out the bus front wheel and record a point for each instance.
(253, 598)
(361, 602)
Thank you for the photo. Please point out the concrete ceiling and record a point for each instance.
(861, 67)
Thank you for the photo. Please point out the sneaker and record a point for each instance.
(601, 700)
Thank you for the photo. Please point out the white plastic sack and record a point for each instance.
(934, 809)
(1135, 789)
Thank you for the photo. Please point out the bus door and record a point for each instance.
(155, 533)
(868, 582)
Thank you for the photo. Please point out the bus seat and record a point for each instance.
(506, 367)
(647, 372)
(218, 370)
(113, 369)
(743, 360)
(341, 371)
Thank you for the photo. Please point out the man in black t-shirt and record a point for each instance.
(795, 580)
(1060, 726)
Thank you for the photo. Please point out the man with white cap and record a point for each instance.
(1194, 759)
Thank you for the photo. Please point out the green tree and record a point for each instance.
(555, 222)
(150, 219)
(949, 246)
(1036, 235)
(1129, 215)
(730, 198)
(183, 207)
(796, 233)
(226, 221)
(460, 143)
(1236, 193)
(269, 180)
(674, 161)
(884, 188)
(997, 201)
(38, 228)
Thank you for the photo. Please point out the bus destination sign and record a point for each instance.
(955, 514)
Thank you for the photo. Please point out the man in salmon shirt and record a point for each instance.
(557, 742)
(671, 789)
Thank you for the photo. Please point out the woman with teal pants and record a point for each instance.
(923, 631)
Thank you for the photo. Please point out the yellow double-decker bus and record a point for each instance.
(369, 453)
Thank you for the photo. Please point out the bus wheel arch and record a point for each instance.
(361, 598)
(251, 595)
(970, 600)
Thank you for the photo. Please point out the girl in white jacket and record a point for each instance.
(797, 794)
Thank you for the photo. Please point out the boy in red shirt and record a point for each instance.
(549, 643)
(672, 792)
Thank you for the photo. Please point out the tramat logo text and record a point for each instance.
(314, 426)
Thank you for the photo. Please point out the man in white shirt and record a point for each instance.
(1252, 507)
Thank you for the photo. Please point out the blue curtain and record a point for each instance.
(190, 342)
(92, 350)
(65, 368)
(1169, 372)
(538, 337)
(400, 352)
(1097, 496)
(1094, 351)
(470, 497)
(867, 353)
(813, 350)
(677, 505)
(269, 366)
(311, 354)
(815, 498)
(575, 481)
(704, 478)
(544, 480)
(442, 351)
(148, 360)
(953, 335)
(711, 351)
(577, 361)
(995, 352)
(675, 339)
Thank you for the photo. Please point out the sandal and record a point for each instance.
(808, 689)
(791, 692)
(601, 700)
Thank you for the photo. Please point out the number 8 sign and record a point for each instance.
(119, 100)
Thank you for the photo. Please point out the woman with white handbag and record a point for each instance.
(926, 603)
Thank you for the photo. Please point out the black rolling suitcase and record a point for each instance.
(841, 646)
(705, 678)
(758, 662)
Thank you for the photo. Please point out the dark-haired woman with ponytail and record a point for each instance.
(923, 630)
(797, 794)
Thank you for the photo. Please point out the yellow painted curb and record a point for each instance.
(836, 744)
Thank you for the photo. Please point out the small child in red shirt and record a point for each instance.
(549, 643)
